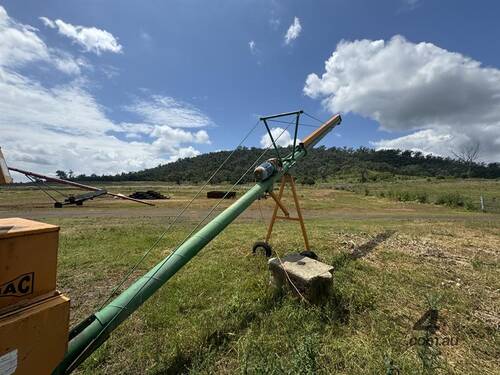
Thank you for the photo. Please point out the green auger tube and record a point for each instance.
(94, 331)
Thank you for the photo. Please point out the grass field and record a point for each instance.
(394, 261)
(465, 193)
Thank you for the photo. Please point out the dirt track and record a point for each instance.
(251, 214)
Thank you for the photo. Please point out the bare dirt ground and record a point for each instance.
(348, 206)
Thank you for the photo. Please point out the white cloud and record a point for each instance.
(255, 51)
(19, 45)
(91, 39)
(74, 132)
(168, 139)
(165, 110)
(66, 63)
(253, 48)
(293, 31)
(418, 141)
(63, 126)
(281, 136)
(185, 152)
(47, 22)
(448, 99)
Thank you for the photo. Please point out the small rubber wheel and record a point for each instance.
(309, 254)
(261, 245)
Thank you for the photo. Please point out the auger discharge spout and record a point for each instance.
(94, 331)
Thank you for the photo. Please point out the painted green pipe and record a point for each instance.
(91, 333)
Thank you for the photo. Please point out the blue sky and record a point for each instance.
(114, 86)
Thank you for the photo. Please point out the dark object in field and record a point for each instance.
(216, 194)
(266, 248)
(150, 194)
(79, 199)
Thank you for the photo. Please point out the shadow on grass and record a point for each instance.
(343, 259)
(366, 248)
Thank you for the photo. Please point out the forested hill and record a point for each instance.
(321, 164)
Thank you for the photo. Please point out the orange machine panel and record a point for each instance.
(33, 339)
(28, 262)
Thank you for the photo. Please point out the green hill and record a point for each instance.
(322, 164)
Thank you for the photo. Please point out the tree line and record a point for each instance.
(321, 164)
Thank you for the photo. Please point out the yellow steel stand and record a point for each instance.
(284, 180)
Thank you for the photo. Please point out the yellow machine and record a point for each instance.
(34, 316)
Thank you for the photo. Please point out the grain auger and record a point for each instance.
(92, 332)
(87, 336)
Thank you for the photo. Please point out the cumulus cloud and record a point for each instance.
(281, 136)
(91, 39)
(168, 139)
(185, 152)
(19, 45)
(445, 98)
(293, 31)
(63, 126)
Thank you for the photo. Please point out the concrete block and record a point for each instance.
(312, 278)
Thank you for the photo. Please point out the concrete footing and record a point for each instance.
(312, 278)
